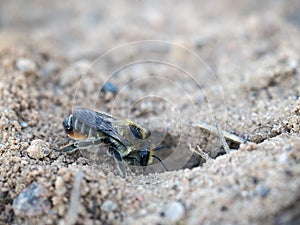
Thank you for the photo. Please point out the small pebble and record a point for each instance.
(224, 208)
(109, 206)
(26, 66)
(60, 186)
(175, 212)
(263, 191)
(38, 149)
(283, 158)
(109, 87)
(49, 68)
(109, 90)
(23, 124)
(31, 201)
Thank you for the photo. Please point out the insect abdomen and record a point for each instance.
(84, 130)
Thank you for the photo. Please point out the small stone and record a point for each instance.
(60, 186)
(4, 123)
(109, 87)
(26, 66)
(248, 146)
(23, 124)
(263, 191)
(224, 208)
(49, 68)
(109, 206)
(31, 201)
(38, 149)
(109, 90)
(7, 62)
(175, 211)
(283, 158)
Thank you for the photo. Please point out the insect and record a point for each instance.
(127, 140)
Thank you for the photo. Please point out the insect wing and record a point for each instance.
(99, 121)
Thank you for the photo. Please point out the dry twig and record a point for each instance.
(72, 215)
(200, 152)
(227, 135)
(221, 135)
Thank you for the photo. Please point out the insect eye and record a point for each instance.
(67, 124)
(144, 158)
(68, 127)
(136, 131)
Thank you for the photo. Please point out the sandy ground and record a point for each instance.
(234, 60)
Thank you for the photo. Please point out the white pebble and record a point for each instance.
(31, 201)
(109, 206)
(175, 212)
(38, 149)
(26, 66)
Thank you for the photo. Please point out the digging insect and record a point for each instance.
(127, 140)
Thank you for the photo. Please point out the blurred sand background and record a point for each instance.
(234, 60)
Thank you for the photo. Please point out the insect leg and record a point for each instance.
(132, 161)
(79, 144)
(118, 160)
(67, 148)
(87, 143)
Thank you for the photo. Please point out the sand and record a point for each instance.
(175, 65)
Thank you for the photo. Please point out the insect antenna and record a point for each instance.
(156, 157)
(162, 163)
(161, 147)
